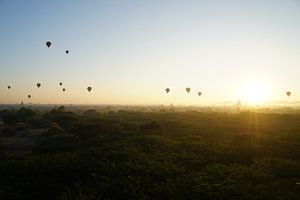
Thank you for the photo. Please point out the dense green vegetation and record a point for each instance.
(149, 155)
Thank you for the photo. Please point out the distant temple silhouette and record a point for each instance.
(238, 104)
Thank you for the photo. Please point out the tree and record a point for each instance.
(151, 128)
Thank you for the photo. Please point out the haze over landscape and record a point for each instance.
(130, 51)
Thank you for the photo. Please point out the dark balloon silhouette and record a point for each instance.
(188, 89)
(38, 85)
(67, 51)
(167, 90)
(9, 87)
(29, 96)
(89, 89)
(60, 83)
(288, 93)
(64, 89)
(48, 43)
(199, 93)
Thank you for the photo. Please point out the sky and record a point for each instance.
(130, 51)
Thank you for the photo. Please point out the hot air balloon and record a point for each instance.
(187, 89)
(67, 51)
(38, 85)
(60, 83)
(48, 43)
(9, 87)
(167, 90)
(64, 89)
(288, 93)
(89, 89)
(29, 96)
(199, 93)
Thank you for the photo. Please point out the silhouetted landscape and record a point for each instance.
(76, 152)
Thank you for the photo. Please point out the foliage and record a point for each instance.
(155, 155)
(22, 115)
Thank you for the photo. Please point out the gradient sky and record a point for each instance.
(129, 51)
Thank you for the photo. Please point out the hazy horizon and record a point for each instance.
(130, 52)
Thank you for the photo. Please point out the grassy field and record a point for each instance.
(59, 154)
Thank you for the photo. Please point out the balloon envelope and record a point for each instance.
(29, 96)
(167, 90)
(48, 43)
(60, 83)
(288, 93)
(187, 89)
(199, 93)
(89, 89)
(67, 51)
(38, 85)
(9, 87)
(64, 89)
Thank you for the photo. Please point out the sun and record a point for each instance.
(254, 93)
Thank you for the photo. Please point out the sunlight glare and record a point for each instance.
(255, 93)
